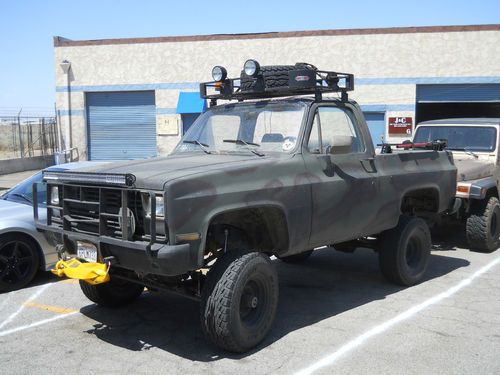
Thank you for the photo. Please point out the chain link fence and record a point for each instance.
(24, 137)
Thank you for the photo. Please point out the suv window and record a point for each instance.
(332, 131)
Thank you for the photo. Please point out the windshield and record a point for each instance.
(23, 193)
(461, 138)
(258, 127)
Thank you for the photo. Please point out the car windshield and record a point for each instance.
(460, 138)
(23, 192)
(257, 127)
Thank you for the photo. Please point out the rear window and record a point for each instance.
(461, 138)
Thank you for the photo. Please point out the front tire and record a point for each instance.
(19, 262)
(239, 301)
(404, 256)
(115, 293)
(483, 226)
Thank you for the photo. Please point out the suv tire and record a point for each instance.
(114, 293)
(274, 75)
(483, 225)
(239, 300)
(297, 258)
(404, 256)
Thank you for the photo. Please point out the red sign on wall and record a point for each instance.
(400, 125)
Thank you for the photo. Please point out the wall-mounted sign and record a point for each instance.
(167, 125)
(400, 125)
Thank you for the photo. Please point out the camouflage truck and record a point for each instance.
(279, 170)
(474, 144)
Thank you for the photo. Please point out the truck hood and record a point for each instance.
(154, 173)
(473, 169)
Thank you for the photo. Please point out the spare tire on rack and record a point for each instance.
(273, 75)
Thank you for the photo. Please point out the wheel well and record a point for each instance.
(421, 200)
(491, 192)
(260, 229)
(41, 257)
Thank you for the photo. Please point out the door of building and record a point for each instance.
(121, 125)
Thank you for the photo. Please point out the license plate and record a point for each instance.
(86, 251)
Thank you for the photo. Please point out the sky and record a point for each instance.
(28, 26)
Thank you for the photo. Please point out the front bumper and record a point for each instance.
(138, 256)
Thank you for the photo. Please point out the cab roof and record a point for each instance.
(464, 121)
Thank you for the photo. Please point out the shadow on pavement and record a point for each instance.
(449, 236)
(329, 283)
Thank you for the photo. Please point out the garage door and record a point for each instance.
(121, 125)
(376, 125)
(457, 100)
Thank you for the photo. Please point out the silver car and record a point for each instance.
(23, 249)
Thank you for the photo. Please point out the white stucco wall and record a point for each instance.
(378, 56)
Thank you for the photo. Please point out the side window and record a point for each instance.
(338, 132)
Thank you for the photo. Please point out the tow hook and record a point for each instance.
(92, 273)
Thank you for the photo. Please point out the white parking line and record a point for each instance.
(36, 324)
(358, 341)
(31, 298)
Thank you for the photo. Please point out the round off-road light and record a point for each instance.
(251, 68)
(219, 73)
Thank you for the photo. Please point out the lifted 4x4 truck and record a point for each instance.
(279, 171)
(474, 143)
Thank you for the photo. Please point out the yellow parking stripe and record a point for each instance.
(54, 309)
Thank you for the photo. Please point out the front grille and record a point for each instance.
(97, 211)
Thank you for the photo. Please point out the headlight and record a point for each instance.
(251, 68)
(219, 73)
(54, 195)
(160, 207)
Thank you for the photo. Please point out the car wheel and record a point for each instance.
(297, 258)
(115, 293)
(239, 301)
(483, 226)
(405, 252)
(19, 261)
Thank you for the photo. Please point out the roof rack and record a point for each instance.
(273, 81)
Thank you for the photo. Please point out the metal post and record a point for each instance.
(21, 144)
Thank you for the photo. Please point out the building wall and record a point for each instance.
(387, 68)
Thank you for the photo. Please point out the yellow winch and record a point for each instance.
(92, 273)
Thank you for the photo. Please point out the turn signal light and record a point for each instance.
(463, 189)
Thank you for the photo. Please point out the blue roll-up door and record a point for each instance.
(121, 125)
(376, 125)
(458, 93)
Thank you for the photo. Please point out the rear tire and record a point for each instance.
(115, 293)
(404, 256)
(297, 258)
(19, 261)
(483, 225)
(239, 300)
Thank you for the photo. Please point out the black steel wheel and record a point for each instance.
(297, 258)
(405, 251)
(239, 301)
(19, 261)
(115, 293)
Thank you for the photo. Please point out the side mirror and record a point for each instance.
(341, 144)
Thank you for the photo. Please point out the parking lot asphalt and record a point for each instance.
(336, 315)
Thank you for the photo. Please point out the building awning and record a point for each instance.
(191, 102)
